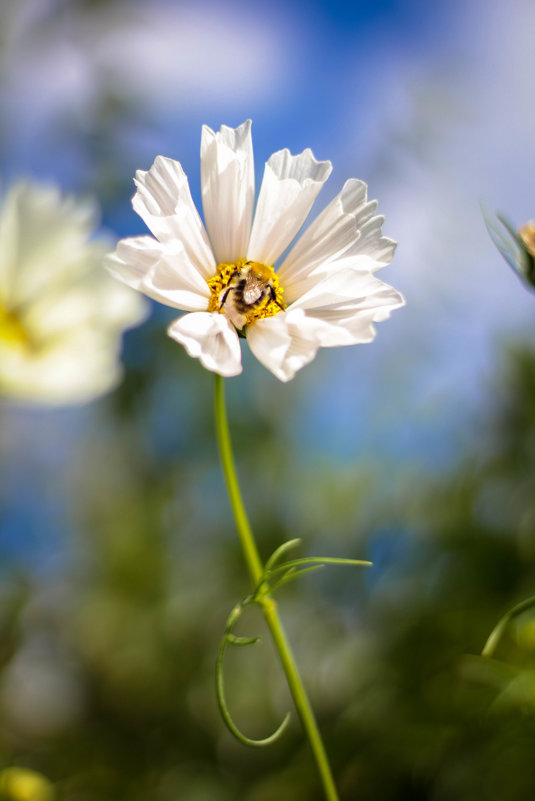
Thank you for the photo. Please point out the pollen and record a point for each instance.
(229, 287)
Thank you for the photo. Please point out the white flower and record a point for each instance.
(61, 315)
(323, 294)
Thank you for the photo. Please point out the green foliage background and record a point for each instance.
(107, 660)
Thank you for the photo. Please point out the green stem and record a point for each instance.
(499, 629)
(269, 607)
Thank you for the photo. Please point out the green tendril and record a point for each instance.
(262, 593)
(231, 639)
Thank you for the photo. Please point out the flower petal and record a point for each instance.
(144, 264)
(40, 228)
(335, 232)
(68, 369)
(289, 188)
(347, 303)
(212, 339)
(372, 243)
(331, 233)
(163, 200)
(227, 180)
(344, 287)
(284, 343)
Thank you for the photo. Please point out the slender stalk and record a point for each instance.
(269, 607)
(500, 627)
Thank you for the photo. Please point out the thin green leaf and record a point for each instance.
(293, 574)
(280, 551)
(232, 639)
(322, 560)
(514, 233)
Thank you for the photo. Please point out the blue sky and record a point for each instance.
(427, 102)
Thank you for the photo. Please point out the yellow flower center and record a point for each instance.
(12, 332)
(246, 291)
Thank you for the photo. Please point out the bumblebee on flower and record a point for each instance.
(324, 294)
(245, 291)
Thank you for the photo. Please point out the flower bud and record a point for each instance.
(527, 235)
(517, 247)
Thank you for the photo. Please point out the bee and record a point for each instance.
(248, 289)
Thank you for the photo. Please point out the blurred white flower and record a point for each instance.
(61, 316)
(324, 294)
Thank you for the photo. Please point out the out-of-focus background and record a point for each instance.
(118, 556)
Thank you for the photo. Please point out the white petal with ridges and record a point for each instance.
(289, 188)
(349, 267)
(284, 343)
(227, 180)
(212, 339)
(349, 290)
(347, 302)
(344, 286)
(329, 235)
(342, 235)
(372, 243)
(144, 264)
(163, 200)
